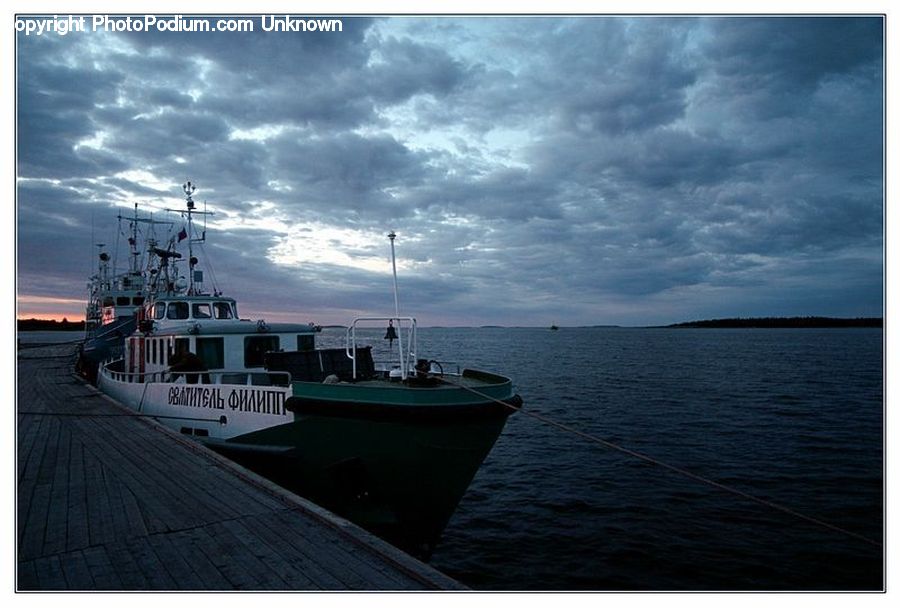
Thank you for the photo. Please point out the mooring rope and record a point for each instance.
(676, 469)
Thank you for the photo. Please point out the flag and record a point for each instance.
(182, 235)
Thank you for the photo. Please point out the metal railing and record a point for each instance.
(239, 377)
(407, 358)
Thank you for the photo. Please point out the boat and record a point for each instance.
(115, 298)
(387, 438)
(554, 327)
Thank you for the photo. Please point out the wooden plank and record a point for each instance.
(305, 564)
(28, 429)
(215, 485)
(50, 574)
(101, 568)
(131, 565)
(31, 542)
(186, 573)
(75, 568)
(26, 576)
(57, 518)
(181, 479)
(77, 535)
(269, 554)
(134, 518)
(118, 516)
(157, 511)
(188, 544)
(280, 574)
(47, 469)
(99, 515)
(332, 555)
(157, 574)
(242, 569)
(27, 483)
(111, 501)
(39, 503)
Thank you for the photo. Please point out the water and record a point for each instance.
(791, 416)
(47, 337)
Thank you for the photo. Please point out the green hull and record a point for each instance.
(393, 457)
(400, 480)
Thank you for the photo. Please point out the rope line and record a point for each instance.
(675, 469)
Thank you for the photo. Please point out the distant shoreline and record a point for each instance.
(49, 325)
(782, 323)
(731, 323)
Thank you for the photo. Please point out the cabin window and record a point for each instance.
(146, 350)
(137, 300)
(159, 311)
(306, 342)
(212, 352)
(152, 351)
(223, 310)
(123, 301)
(177, 310)
(255, 347)
(181, 345)
(201, 311)
(108, 301)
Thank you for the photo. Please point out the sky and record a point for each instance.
(592, 170)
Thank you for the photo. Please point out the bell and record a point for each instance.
(391, 333)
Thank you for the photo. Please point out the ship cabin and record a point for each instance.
(231, 349)
(111, 302)
(121, 303)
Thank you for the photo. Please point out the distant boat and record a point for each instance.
(554, 327)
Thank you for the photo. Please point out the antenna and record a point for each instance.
(189, 189)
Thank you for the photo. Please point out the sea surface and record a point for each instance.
(790, 416)
(794, 417)
(47, 337)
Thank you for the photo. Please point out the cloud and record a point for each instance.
(611, 169)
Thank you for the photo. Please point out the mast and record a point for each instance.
(403, 370)
(132, 243)
(392, 236)
(189, 190)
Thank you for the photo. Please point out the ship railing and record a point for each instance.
(451, 368)
(241, 377)
(406, 356)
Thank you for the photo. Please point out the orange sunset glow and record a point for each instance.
(53, 309)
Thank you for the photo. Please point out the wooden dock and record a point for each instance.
(110, 500)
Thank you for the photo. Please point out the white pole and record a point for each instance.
(392, 236)
(403, 365)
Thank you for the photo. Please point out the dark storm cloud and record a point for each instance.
(503, 193)
(406, 68)
(792, 51)
(610, 169)
(349, 171)
(55, 253)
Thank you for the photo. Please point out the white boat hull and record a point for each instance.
(214, 411)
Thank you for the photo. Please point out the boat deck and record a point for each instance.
(110, 500)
